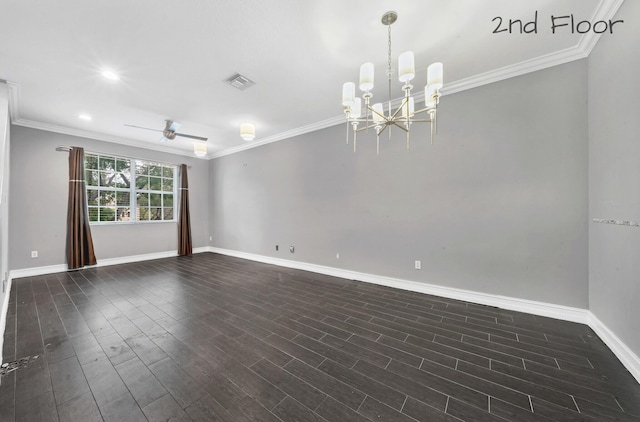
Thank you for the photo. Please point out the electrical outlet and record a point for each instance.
(338, 255)
(292, 249)
(277, 247)
(418, 265)
(34, 254)
(210, 238)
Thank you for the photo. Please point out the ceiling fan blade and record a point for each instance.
(174, 126)
(184, 135)
(145, 128)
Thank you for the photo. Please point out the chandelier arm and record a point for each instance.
(398, 125)
(404, 103)
(422, 110)
(421, 121)
(371, 126)
(381, 115)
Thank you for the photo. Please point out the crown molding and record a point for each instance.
(323, 124)
(606, 10)
(98, 136)
(14, 97)
(518, 69)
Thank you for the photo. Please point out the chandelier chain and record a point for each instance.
(389, 71)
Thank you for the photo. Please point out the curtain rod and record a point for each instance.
(66, 148)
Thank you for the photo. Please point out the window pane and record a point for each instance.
(93, 214)
(123, 165)
(123, 199)
(167, 172)
(107, 214)
(107, 197)
(91, 177)
(155, 183)
(143, 214)
(90, 162)
(155, 170)
(155, 199)
(123, 214)
(167, 185)
(142, 182)
(142, 199)
(168, 213)
(142, 168)
(123, 180)
(92, 197)
(168, 200)
(107, 163)
(155, 213)
(107, 179)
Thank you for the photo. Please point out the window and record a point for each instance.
(117, 185)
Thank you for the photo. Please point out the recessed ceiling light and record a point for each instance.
(85, 117)
(111, 75)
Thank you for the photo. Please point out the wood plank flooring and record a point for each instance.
(215, 338)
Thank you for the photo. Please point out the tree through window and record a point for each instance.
(116, 186)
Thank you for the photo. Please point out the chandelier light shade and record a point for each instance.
(199, 149)
(248, 131)
(366, 77)
(373, 116)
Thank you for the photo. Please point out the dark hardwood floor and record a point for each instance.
(215, 338)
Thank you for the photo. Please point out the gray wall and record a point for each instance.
(38, 202)
(497, 205)
(614, 178)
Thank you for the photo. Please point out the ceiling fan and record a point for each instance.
(169, 131)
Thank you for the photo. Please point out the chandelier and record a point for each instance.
(373, 116)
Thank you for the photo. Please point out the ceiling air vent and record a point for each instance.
(240, 82)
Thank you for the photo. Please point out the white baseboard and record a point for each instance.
(565, 313)
(583, 316)
(630, 360)
(626, 356)
(60, 268)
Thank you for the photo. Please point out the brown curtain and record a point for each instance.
(79, 242)
(184, 221)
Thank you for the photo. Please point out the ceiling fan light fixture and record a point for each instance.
(248, 131)
(199, 149)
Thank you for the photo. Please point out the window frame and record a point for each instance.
(133, 189)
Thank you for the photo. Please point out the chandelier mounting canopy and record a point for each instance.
(389, 18)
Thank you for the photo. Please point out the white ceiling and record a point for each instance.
(173, 57)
